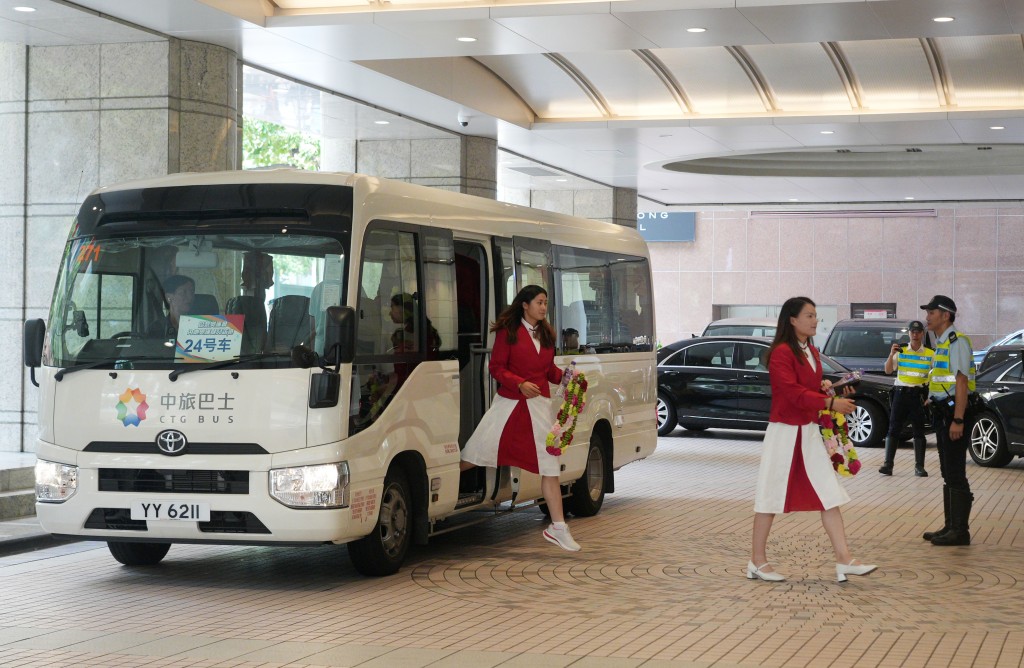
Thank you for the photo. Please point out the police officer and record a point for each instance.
(912, 364)
(950, 386)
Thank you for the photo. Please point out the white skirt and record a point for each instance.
(482, 447)
(777, 459)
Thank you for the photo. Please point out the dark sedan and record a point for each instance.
(722, 381)
(998, 432)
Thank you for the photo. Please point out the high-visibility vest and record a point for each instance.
(940, 381)
(912, 368)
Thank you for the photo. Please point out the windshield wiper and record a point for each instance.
(59, 376)
(223, 363)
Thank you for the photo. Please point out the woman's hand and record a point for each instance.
(529, 390)
(826, 385)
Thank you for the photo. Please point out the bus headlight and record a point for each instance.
(321, 486)
(55, 483)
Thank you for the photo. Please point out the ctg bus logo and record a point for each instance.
(131, 417)
(171, 442)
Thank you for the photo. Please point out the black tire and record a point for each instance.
(988, 442)
(383, 550)
(587, 493)
(666, 415)
(867, 424)
(138, 554)
(693, 427)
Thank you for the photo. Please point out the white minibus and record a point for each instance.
(295, 358)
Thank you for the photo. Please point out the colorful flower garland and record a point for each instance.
(835, 432)
(574, 392)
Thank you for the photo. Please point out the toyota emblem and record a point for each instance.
(171, 442)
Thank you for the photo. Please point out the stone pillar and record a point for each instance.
(459, 164)
(624, 207)
(15, 407)
(96, 115)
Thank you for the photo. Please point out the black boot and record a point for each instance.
(890, 455)
(928, 535)
(960, 501)
(919, 458)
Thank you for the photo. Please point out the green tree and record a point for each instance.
(265, 144)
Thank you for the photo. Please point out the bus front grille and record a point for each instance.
(173, 481)
(226, 521)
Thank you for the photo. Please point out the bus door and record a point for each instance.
(472, 288)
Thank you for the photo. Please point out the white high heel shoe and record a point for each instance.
(755, 572)
(842, 570)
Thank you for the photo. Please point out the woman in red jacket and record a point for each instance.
(796, 473)
(514, 430)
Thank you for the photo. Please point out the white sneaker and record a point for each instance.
(561, 537)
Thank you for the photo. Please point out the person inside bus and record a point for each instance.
(179, 292)
(162, 263)
(403, 313)
(570, 341)
(514, 430)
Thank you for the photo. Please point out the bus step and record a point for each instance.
(469, 499)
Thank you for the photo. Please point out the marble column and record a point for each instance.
(94, 115)
(459, 164)
(14, 405)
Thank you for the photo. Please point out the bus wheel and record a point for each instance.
(383, 550)
(588, 492)
(138, 554)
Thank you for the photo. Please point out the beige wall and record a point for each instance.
(973, 254)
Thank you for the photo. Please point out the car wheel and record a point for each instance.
(382, 551)
(988, 442)
(588, 491)
(138, 554)
(666, 415)
(867, 425)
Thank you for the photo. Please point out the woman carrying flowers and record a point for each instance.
(515, 429)
(796, 471)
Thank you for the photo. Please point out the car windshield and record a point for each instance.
(157, 301)
(863, 341)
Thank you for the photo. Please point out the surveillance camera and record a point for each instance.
(463, 119)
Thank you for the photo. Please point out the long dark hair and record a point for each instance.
(509, 319)
(785, 334)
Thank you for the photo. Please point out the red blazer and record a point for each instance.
(796, 387)
(519, 362)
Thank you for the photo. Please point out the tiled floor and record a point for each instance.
(659, 583)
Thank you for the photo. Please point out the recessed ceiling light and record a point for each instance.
(24, 9)
(794, 199)
(383, 122)
(466, 39)
(696, 30)
(828, 132)
(996, 127)
(943, 19)
(561, 180)
(908, 198)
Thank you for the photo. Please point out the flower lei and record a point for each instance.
(835, 433)
(574, 393)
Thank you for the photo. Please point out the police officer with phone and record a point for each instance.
(951, 394)
(912, 364)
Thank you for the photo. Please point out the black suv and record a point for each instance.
(722, 381)
(865, 344)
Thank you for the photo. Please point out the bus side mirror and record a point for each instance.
(35, 332)
(340, 335)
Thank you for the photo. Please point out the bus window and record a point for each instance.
(439, 291)
(632, 314)
(504, 273)
(584, 299)
(388, 326)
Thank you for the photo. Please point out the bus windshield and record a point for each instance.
(157, 301)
